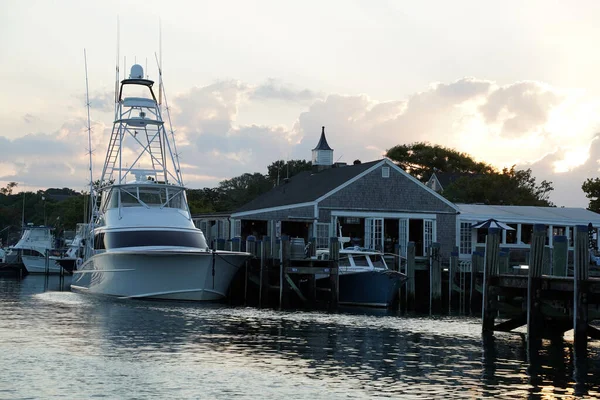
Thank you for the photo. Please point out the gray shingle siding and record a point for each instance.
(446, 233)
(396, 193)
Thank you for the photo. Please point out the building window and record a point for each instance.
(385, 172)
(465, 238)
(322, 235)
(237, 228)
(511, 236)
(526, 233)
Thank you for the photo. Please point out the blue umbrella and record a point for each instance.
(492, 223)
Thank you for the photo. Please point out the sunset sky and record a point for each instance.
(251, 82)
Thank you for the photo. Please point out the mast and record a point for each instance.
(89, 131)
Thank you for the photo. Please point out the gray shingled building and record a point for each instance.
(376, 203)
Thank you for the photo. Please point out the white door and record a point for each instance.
(403, 236)
(428, 235)
(374, 233)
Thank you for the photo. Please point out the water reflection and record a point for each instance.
(191, 350)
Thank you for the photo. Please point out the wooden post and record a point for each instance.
(535, 318)
(267, 245)
(504, 261)
(251, 245)
(559, 255)
(334, 278)
(489, 306)
(452, 269)
(263, 293)
(410, 274)
(435, 278)
(547, 261)
(47, 263)
(285, 262)
(580, 281)
(313, 247)
(473, 283)
(236, 244)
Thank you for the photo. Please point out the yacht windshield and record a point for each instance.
(152, 196)
(378, 261)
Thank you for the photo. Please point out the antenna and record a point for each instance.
(161, 87)
(117, 63)
(89, 129)
(159, 61)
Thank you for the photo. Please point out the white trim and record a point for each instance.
(372, 214)
(385, 172)
(271, 209)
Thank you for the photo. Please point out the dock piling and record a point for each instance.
(535, 319)
(580, 286)
(435, 278)
(559, 256)
(334, 278)
(489, 304)
(410, 274)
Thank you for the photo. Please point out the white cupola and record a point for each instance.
(322, 155)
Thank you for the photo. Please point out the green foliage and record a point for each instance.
(280, 169)
(421, 159)
(591, 188)
(510, 187)
(485, 186)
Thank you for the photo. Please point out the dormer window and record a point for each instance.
(385, 172)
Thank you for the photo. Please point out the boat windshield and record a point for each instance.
(146, 196)
(378, 261)
(360, 260)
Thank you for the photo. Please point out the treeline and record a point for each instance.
(482, 183)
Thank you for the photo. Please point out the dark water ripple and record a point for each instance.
(58, 344)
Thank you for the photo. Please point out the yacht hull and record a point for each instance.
(370, 288)
(37, 265)
(171, 275)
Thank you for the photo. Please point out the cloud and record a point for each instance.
(274, 89)
(521, 107)
(29, 118)
(526, 123)
(102, 100)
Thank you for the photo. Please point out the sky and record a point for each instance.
(252, 82)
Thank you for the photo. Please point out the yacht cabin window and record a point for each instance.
(144, 196)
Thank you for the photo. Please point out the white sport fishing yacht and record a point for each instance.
(32, 247)
(143, 243)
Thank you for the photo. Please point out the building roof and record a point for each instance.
(445, 179)
(322, 145)
(306, 187)
(529, 214)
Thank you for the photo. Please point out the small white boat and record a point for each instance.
(142, 241)
(32, 247)
(364, 277)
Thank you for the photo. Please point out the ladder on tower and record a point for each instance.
(112, 154)
(156, 151)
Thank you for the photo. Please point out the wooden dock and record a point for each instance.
(548, 305)
(278, 277)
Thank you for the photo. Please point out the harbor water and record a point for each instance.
(55, 344)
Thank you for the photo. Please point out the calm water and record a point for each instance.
(58, 344)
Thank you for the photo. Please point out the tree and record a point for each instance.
(236, 192)
(591, 188)
(421, 159)
(280, 169)
(510, 187)
(9, 188)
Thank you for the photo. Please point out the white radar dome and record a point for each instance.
(137, 72)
